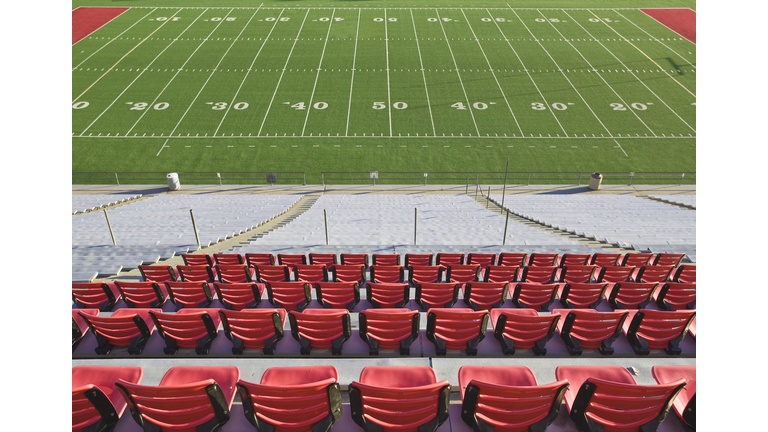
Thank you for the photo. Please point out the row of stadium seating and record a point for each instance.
(501, 398)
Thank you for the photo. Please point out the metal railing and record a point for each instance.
(195, 178)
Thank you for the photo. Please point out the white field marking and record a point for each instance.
(389, 98)
(492, 72)
(622, 150)
(161, 148)
(319, 67)
(354, 60)
(440, 20)
(426, 8)
(527, 72)
(657, 39)
(138, 76)
(215, 67)
(296, 39)
(422, 74)
(598, 73)
(690, 137)
(632, 73)
(646, 55)
(126, 55)
(113, 39)
(113, 18)
(248, 72)
(561, 71)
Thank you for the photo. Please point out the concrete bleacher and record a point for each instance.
(83, 203)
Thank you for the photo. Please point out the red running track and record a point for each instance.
(682, 21)
(86, 20)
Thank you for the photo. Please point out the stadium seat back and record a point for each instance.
(338, 295)
(142, 294)
(577, 273)
(326, 259)
(436, 295)
(685, 402)
(615, 274)
(534, 295)
(651, 329)
(253, 328)
(158, 273)
(269, 273)
(387, 295)
(197, 260)
(389, 328)
(588, 329)
(355, 259)
(676, 296)
(259, 259)
(456, 329)
(228, 259)
(501, 273)
(582, 295)
(193, 273)
(635, 259)
(655, 273)
(630, 295)
(568, 260)
(523, 329)
(238, 296)
(484, 260)
(234, 273)
(321, 328)
(95, 295)
(386, 259)
(449, 259)
(539, 274)
(96, 403)
(289, 295)
(124, 328)
(79, 326)
(543, 259)
(507, 259)
(349, 273)
(188, 328)
(463, 273)
(420, 260)
(387, 274)
(189, 294)
(605, 259)
(425, 274)
(485, 295)
(311, 273)
(291, 259)
(668, 259)
(685, 274)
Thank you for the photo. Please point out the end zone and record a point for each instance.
(681, 21)
(86, 20)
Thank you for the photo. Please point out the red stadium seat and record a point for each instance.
(387, 295)
(543, 259)
(239, 296)
(501, 273)
(197, 260)
(419, 260)
(540, 274)
(485, 295)
(196, 273)
(651, 329)
(456, 329)
(349, 273)
(668, 259)
(96, 404)
(338, 295)
(534, 295)
(189, 398)
(279, 273)
(463, 273)
(289, 295)
(354, 259)
(326, 259)
(189, 294)
(485, 260)
(609, 399)
(253, 328)
(188, 328)
(425, 274)
(387, 274)
(523, 329)
(407, 398)
(298, 398)
(158, 273)
(685, 402)
(685, 274)
(321, 329)
(310, 273)
(508, 398)
(228, 259)
(635, 259)
(449, 259)
(692, 328)
(577, 274)
(605, 259)
(436, 295)
(79, 326)
(676, 296)
(630, 295)
(615, 274)
(291, 259)
(582, 295)
(512, 259)
(142, 294)
(588, 329)
(124, 328)
(654, 273)
(95, 295)
(389, 328)
(568, 260)
(234, 273)
(259, 259)
(386, 259)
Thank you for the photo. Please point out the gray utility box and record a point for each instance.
(595, 180)
(173, 181)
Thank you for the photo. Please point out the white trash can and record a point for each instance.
(595, 180)
(173, 181)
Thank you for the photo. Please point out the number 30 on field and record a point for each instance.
(223, 105)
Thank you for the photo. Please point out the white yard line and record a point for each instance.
(139, 76)
(111, 40)
(631, 72)
(352, 83)
(561, 71)
(622, 150)
(283, 73)
(422, 74)
(161, 148)
(527, 72)
(249, 71)
(113, 18)
(319, 68)
(690, 137)
(493, 73)
(596, 72)
(126, 55)
(389, 97)
(469, 105)
(657, 39)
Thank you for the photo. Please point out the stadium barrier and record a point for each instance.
(198, 178)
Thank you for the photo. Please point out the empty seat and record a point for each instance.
(501, 273)
(668, 259)
(685, 274)
(692, 328)
(463, 273)
(534, 295)
(189, 294)
(508, 398)
(387, 274)
(228, 259)
(651, 329)
(386, 259)
(635, 259)
(581, 295)
(253, 328)
(354, 259)
(508, 259)
(298, 398)
(291, 259)
(194, 398)
(238, 296)
(605, 259)
(540, 274)
(418, 260)
(289, 295)
(436, 295)
(523, 329)
(197, 260)
(349, 273)
(338, 295)
(79, 326)
(408, 398)
(326, 259)
(485, 260)
(485, 295)
(425, 274)
(310, 273)
(448, 259)
(608, 398)
(588, 329)
(456, 329)
(259, 259)
(685, 401)
(321, 329)
(676, 296)
(187, 328)
(654, 273)
(568, 260)
(388, 295)
(142, 294)
(577, 274)
(615, 274)
(196, 273)
(96, 404)
(95, 295)
(234, 273)
(543, 259)
(389, 328)
(124, 328)
(630, 295)
(265, 273)
(158, 273)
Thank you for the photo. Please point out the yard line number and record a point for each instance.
(383, 105)
(476, 105)
(223, 105)
(636, 106)
(138, 106)
(557, 105)
(302, 105)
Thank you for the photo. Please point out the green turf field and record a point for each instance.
(359, 86)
